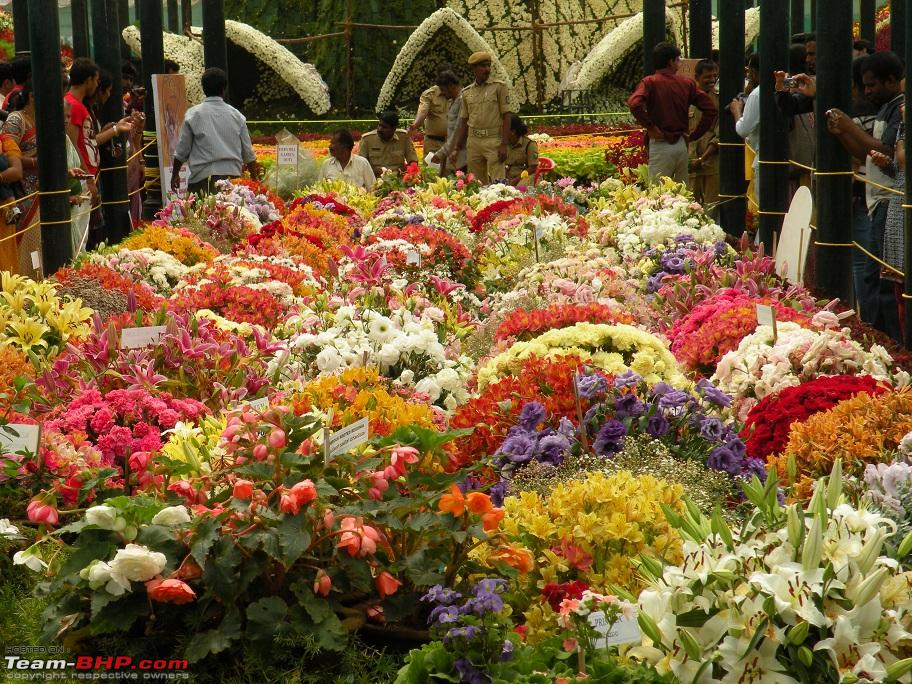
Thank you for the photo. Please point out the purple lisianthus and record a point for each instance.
(627, 379)
(736, 446)
(660, 389)
(724, 459)
(498, 492)
(673, 263)
(673, 400)
(654, 283)
(610, 438)
(518, 447)
(657, 426)
(532, 414)
(712, 429)
(589, 385)
(551, 449)
(755, 466)
(713, 394)
(628, 406)
(566, 428)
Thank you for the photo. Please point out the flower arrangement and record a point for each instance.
(866, 428)
(766, 430)
(139, 295)
(145, 266)
(797, 594)
(180, 243)
(438, 252)
(523, 325)
(611, 348)
(256, 202)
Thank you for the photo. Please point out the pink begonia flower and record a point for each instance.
(41, 512)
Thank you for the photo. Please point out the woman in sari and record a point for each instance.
(9, 253)
(21, 126)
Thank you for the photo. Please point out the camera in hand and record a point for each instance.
(790, 83)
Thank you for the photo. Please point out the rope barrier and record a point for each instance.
(18, 201)
(20, 232)
(336, 121)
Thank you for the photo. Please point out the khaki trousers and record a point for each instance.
(705, 187)
(482, 159)
(431, 146)
(668, 160)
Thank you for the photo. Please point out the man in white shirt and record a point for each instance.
(747, 116)
(341, 163)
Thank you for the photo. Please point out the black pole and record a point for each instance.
(814, 14)
(774, 126)
(653, 30)
(834, 184)
(173, 19)
(153, 61)
(797, 15)
(21, 25)
(867, 13)
(116, 204)
(80, 28)
(898, 26)
(54, 201)
(186, 14)
(700, 28)
(731, 82)
(907, 223)
(123, 20)
(215, 45)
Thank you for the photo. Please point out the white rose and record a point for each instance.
(448, 379)
(137, 563)
(100, 573)
(172, 515)
(106, 517)
(430, 387)
(434, 313)
(328, 360)
(407, 377)
(388, 355)
(8, 530)
(30, 559)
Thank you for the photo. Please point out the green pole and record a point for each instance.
(123, 20)
(80, 28)
(44, 35)
(867, 13)
(215, 45)
(173, 19)
(186, 14)
(21, 25)
(797, 15)
(700, 28)
(834, 185)
(814, 14)
(898, 27)
(116, 204)
(653, 30)
(774, 126)
(153, 61)
(731, 82)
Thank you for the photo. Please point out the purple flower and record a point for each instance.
(469, 674)
(471, 483)
(657, 426)
(518, 447)
(489, 584)
(506, 651)
(551, 449)
(673, 400)
(610, 438)
(467, 632)
(661, 389)
(654, 283)
(532, 414)
(627, 379)
(566, 428)
(441, 595)
(720, 247)
(483, 603)
(755, 466)
(684, 239)
(713, 394)
(672, 263)
(736, 446)
(443, 615)
(589, 385)
(498, 492)
(712, 429)
(724, 459)
(628, 406)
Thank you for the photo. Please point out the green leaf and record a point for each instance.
(205, 535)
(220, 573)
(215, 640)
(294, 537)
(265, 616)
(421, 571)
(119, 616)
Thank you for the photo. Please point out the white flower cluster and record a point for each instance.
(609, 52)
(420, 40)
(751, 27)
(403, 347)
(151, 266)
(188, 54)
(135, 563)
(493, 193)
(769, 597)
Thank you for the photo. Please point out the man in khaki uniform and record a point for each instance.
(432, 112)
(484, 123)
(388, 147)
(704, 153)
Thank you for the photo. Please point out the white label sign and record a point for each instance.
(260, 404)
(36, 260)
(287, 155)
(413, 256)
(624, 631)
(765, 315)
(349, 437)
(16, 437)
(135, 338)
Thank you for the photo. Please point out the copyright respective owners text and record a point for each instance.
(57, 664)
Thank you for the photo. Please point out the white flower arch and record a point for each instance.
(751, 27)
(422, 36)
(303, 78)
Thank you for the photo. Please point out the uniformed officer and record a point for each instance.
(522, 152)
(484, 122)
(388, 147)
(433, 108)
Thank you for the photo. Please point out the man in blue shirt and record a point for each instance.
(214, 139)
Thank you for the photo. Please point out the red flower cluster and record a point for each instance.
(495, 411)
(524, 206)
(524, 325)
(236, 302)
(629, 154)
(443, 247)
(328, 202)
(766, 431)
(555, 593)
(110, 279)
(486, 215)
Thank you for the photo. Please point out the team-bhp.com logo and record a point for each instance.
(89, 667)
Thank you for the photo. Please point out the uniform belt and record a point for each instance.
(438, 138)
(485, 132)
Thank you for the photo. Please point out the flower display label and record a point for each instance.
(36, 260)
(413, 256)
(19, 437)
(260, 404)
(766, 315)
(287, 154)
(349, 437)
(136, 338)
(624, 631)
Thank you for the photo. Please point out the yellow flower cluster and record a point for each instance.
(360, 392)
(589, 530)
(860, 430)
(34, 319)
(186, 248)
(354, 196)
(614, 349)
(197, 446)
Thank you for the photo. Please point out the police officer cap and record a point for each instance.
(480, 56)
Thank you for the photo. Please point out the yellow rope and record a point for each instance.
(833, 244)
(834, 173)
(20, 232)
(878, 185)
(42, 193)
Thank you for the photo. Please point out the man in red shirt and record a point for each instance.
(661, 104)
(84, 77)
